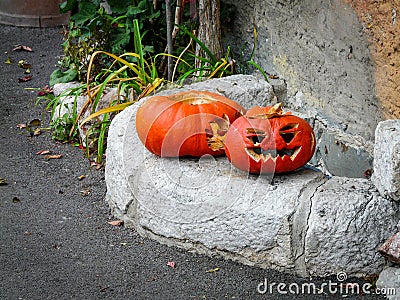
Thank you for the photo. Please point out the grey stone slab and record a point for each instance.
(389, 283)
(300, 223)
(386, 175)
(348, 222)
(247, 90)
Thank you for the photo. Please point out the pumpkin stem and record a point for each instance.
(268, 112)
(274, 111)
(219, 128)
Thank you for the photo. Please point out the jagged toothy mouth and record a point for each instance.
(258, 153)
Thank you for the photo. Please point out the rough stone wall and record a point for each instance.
(320, 49)
(381, 21)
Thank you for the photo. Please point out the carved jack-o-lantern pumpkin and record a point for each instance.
(178, 124)
(266, 140)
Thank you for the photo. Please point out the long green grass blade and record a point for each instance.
(115, 108)
(201, 44)
(138, 43)
(254, 64)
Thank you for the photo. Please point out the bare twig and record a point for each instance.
(169, 38)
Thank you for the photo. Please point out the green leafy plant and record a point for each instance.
(63, 116)
(96, 52)
(95, 26)
(132, 74)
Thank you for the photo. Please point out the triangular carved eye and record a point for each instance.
(289, 126)
(255, 131)
(287, 133)
(288, 136)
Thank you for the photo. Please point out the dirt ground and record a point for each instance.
(381, 21)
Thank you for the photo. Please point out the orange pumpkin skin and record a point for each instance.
(262, 143)
(177, 125)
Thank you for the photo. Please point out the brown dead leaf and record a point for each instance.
(116, 222)
(213, 270)
(25, 79)
(273, 76)
(97, 165)
(54, 156)
(37, 131)
(81, 177)
(43, 152)
(171, 264)
(22, 48)
(24, 64)
(45, 91)
(85, 192)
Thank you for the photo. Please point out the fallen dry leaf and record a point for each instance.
(116, 222)
(213, 270)
(25, 79)
(22, 48)
(24, 64)
(21, 126)
(171, 264)
(43, 152)
(8, 61)
(97, 165)
(3, 181)
(16, 200)
(273, 76)
(54, 156)
(81, 177)
(37, 131)
(85, 192)
(45, 91)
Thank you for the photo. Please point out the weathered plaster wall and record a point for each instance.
(320, 49)
(381, 22)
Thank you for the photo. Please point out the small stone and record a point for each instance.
(388, 283)
(391, 248)
(59, 88)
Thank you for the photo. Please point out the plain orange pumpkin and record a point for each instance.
(179, 124)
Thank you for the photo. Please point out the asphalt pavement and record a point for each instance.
(56, 243)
